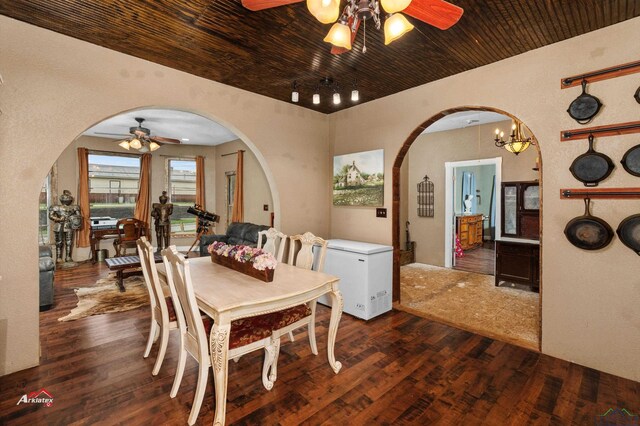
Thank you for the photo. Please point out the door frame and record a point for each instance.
(449, 229)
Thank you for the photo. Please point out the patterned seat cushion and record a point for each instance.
(291, 315)
(246, 330)
(171, 309)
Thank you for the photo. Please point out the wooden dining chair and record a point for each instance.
(274, 242)
(246, 335)
(303, 257)
(129, 231)
(163, 316)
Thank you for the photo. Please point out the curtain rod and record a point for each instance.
(231, 153)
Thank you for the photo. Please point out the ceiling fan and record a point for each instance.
(142, 140)
(439, 13)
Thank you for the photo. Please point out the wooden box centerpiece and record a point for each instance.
(226, 256)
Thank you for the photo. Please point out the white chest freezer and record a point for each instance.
(365, 272)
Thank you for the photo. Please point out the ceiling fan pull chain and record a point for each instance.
(364, 45)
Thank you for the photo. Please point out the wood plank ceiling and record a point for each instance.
(264, 52)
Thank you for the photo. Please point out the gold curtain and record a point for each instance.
(82, 235)
(200, 183)
(142, 203)
(237, 215)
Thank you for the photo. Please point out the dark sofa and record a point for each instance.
(47, 266)
(237, 233)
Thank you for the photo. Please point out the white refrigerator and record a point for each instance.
(365, 272)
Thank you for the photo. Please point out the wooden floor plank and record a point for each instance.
(398, 369)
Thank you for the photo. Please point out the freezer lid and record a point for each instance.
(357, 246)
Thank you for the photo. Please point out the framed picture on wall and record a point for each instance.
(358, 179)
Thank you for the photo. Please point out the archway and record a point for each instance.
(396, 186)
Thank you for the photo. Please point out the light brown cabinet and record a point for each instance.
(469, 230)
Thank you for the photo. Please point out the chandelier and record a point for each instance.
(517, 142)
(356, 12)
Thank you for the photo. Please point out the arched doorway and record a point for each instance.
(397, 189)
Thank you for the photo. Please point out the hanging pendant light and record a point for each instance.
(393, 6)
(325, 11)
(339, 35)
(395, 27)
(517, 141)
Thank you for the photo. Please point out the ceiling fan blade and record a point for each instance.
(111, 134)
(160, 139)
(439, 13)
(335, 50)
(255, 5)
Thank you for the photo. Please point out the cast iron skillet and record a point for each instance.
(637, 95)
(584, 107)
(631, 160)
(629, 232)
(591, 167)
(588, 232)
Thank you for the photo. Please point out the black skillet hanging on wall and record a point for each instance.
(631, 161)
(637, 95)
(584, 107)
(591, 167)
(629, 232)
(588, 232)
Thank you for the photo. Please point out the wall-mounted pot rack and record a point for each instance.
(601, 193)
(603, 74)
(601, 131)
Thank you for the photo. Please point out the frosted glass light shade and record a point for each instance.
(125, 145)
(295, 96)
(395, 27)
(340, 36)
(517, 147)
(316, 98)
(336, 98)
(355, 95)
(393, 6)
(325, 11)
(135, 143)
(153, 146)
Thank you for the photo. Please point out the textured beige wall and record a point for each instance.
(428, 154)
(55, 87)
(589, 299)
(256, 187)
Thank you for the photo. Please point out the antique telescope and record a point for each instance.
(206, 218)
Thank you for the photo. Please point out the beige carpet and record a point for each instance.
(106, 298)
(472, 302)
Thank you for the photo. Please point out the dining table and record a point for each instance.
(226, 295)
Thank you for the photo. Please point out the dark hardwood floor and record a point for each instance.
(397, 369)
(481, 260)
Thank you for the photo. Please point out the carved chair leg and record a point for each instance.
(182, 360)
(203, 374)
(164, 341)
(152, 337)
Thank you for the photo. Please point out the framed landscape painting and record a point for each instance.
(358, 179)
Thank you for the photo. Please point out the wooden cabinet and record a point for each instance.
(521, 210)
(518, 262)
(469, 230)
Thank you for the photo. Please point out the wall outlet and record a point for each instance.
(265, 207)
(381, 212)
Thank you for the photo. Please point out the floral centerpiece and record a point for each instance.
(248, 260)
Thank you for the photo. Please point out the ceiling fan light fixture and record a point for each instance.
(393, 6)
(135, 143)
(325, 11)
(339, 35)
(124, 144)
(153, 146)
(395, 27)
(144, 148)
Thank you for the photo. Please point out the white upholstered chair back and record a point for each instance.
(304, 256)
(274, 242)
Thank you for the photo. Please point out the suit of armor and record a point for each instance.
(161, 213)
(66, 219)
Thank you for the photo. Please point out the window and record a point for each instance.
(44, 224)
(113, 185)
(181, 187)
(231, 189)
